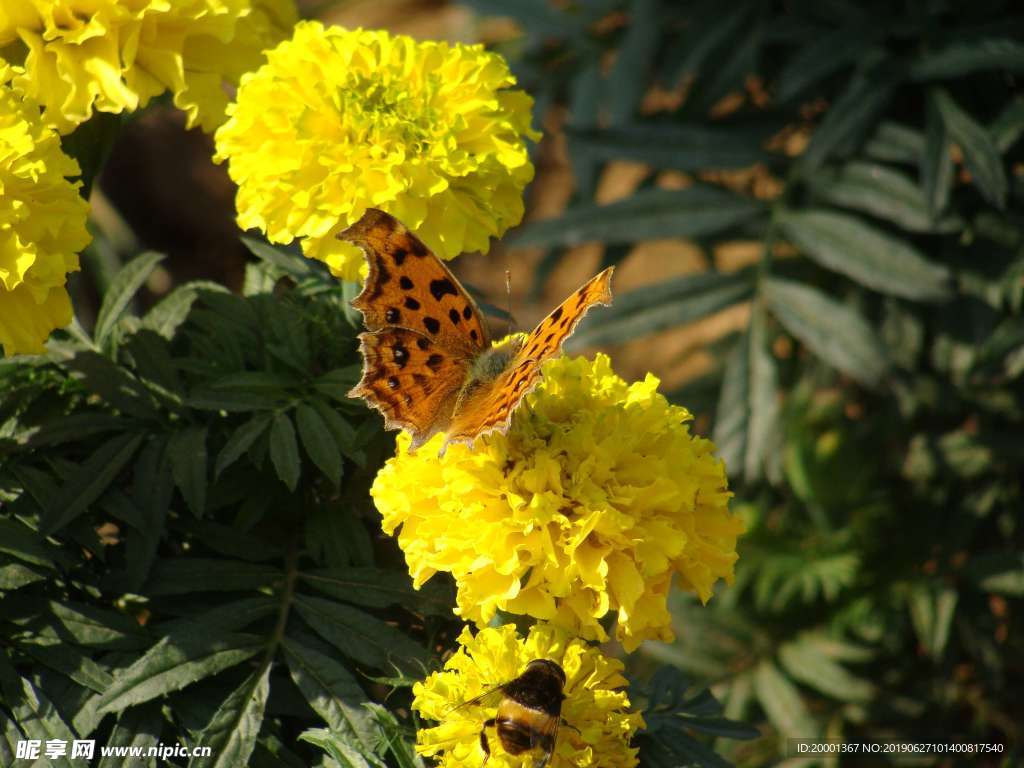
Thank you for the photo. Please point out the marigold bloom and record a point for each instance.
(597, 725)
(42, 223)
(591, 503)
(115, 55)
(339, 121)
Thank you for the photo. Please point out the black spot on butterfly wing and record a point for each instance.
(401, 355)
(393, 382)
(411, 303)
(467, 312)
(392, 315)
(442, 287)
(473, 334)
(423, 344)
(398, 255)
(453, 315)
(431, 324)
(554, 315)
(406, 283)
(434, 362)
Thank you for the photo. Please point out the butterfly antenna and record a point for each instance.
(508, 299)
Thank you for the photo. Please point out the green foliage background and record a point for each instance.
(188, 551)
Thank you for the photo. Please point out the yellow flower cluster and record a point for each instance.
(593, 501)
(597, 725)
(115, 55)
(341, 120)
(42, 223)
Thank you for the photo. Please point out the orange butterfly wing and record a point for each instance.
(490, 407)
(424, 329)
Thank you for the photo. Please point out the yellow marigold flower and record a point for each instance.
(115, 55)
(597, 725)
(339, 121)
(591, 503)
(42, 223)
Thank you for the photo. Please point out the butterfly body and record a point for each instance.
(428, 362)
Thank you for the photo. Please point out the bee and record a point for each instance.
(529, 711)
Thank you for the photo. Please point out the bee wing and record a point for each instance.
(545, 738)
(488, 697)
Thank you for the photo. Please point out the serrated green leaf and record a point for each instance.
(807, 664)
(332, 693)
(174, 663)
(682, 147)
(170, 312)
(186, 452)
(181, 575)
(20, 541)
(895, 143)
(379, 588)
(358, 635)
(748, 406)
(120, 292)
(831, 330)
(871, 257)
(782, 703)
(38, 718)
(65, 659)
(394, 738)
(89, 480)
(96, 627)
(693, 212)
(936, 163)
(666, 304)
(964, 57)
(882, 192)
(848, 120)
(288, 263)
(113, 383)
(344, 435)
(823, 56)
(231, 733)
(15, 576)
(630, 73)
(284, 451)
(138, 727)
(980, 154)
(336, 747)
(319, 442)
(73, 428)
(240, 440)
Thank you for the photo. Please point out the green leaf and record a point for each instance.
(73, 428)
(748, 408)
(682, 147)
(895, 143)
(115, 385)
(138, 727)
(95, 627)
(186, 451)
(980, 154)
(628, 78)
(289, 263)
(394, 738)
(963, 58)
(231, 733)
(170, 312)
(22, 542)
(319, 443)
(15, 576)
(89, 480)
(120, 292)
(783, 703)
(831, 330)
(358, 635)
(874, 259)
(336, 747)
(332, 693)
(38, 718)
(181, 575)
(666, 304)
(284, 451)
(378, 588)
(848, 120)
(1001, 573)
(823, 56)
(653, 213)
(932, 607)
(174, 663)
(882, 192)
(65, 659)
(936, 163)
(240, 441)
(805, 662)
(344, 434)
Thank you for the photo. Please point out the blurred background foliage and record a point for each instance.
(817, 210)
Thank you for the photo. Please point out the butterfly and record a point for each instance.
(428, 362)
